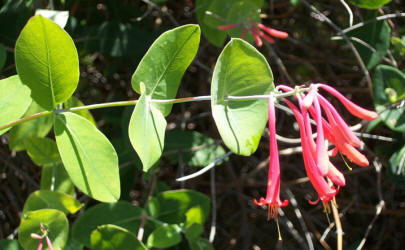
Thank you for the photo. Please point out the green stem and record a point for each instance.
(133, 102)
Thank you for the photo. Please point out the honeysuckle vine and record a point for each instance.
(242, 97)
(133, 102)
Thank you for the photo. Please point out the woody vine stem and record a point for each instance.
(133, 102)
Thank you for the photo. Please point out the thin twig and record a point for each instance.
(297, 212)
(214, 206)
(205, 169)
(339, 230)
(348, 11)
(379, 18)
(141, 229)
(340, 32)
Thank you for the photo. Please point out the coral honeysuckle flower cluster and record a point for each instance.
(257, 30)
(317, 164)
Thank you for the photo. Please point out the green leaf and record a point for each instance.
(369, 4)
(165, 236)
(47, 62)
(88, 156)
(53, 220)
(147, 131)
(219, 12)
(14, 100)
(6, 244)
(200, 244)
(197, 149)
(376, 35)
(239, 12)
(74, 102)
(59, 17)
(122, 214)
(396, 169)
(172, 206)
(42, 151)
(163, 66)
(387, 77)
(194, 231)
(107, 237)
(38, 127)
(55, 178)
(240, 122)
(3, 56)
(213, 35)
(42, 199)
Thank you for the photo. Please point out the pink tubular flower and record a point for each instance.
(325, 192)
(49, 243)
(256, 30)
(354, 109)
(40, 244)
(272, 199)
(227, 27)
(340, 123)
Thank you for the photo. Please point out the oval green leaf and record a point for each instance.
(213, 35)
(88, 156)
(387, 77)
(14, 100)
(38, 127)
(107, 237)
(42, 199)
(55, 178)
(42, 151)
(376, 35)
(369, 4)
(163, 66)
(47, 62)
(53, 220)
(196, 149)
(147, 132)
(173, 206)
(122, 214)
(240, 71)
(165, 236)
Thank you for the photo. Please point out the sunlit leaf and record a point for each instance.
(38, 127)
(147, 131)
(107, 237)
(42, 199)
(163, 66)
(369, 4)
(53, 220)
(240, 122)
(88, 156)
(215, 36)
(165, 236)
(122, 214)
(14, 100)
(47, 62)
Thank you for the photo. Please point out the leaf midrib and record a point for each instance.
(88, 159)
(171, 60)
